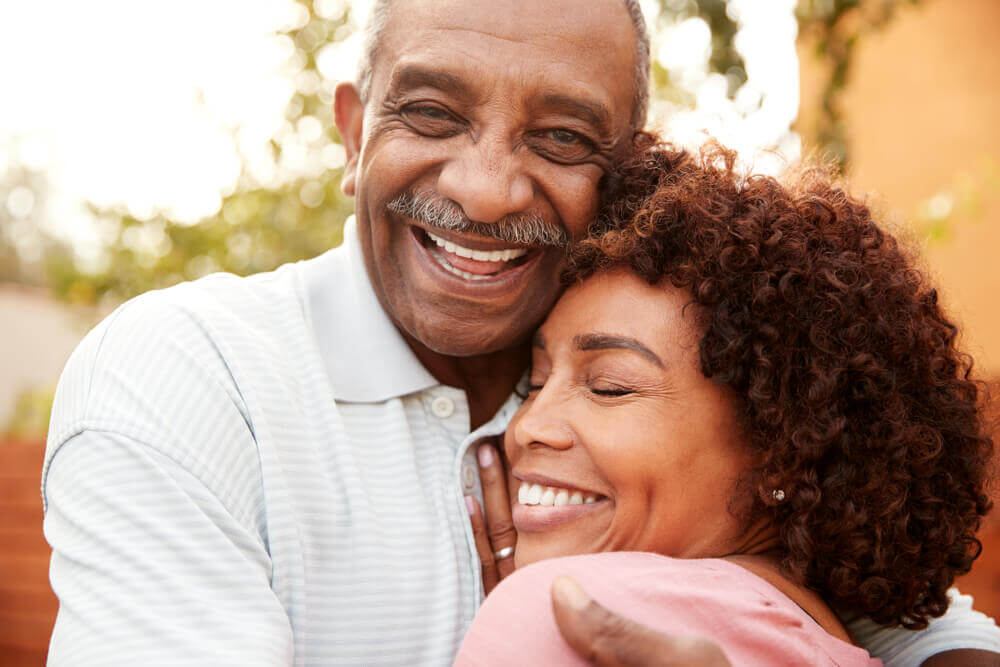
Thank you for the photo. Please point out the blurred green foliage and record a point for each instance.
(259, 226)
(967, 196)
(30, 418)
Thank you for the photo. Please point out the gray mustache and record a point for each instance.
(442, 213)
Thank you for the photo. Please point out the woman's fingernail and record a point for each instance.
(570, 593)
(486, 456)
(470, 504)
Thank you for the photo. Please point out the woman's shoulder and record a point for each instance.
(753, 621)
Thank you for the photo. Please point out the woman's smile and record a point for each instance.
(544, 504)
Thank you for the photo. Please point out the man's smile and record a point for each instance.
(473, 264)
(476, 261)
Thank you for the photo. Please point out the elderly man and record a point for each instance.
(271, 470)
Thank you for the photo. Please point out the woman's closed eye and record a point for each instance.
(611, 391)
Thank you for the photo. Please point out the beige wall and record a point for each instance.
(37, 336)
(923, 116)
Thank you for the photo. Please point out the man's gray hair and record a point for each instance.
(378, 18)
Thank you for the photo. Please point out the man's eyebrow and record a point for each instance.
(598, 341)
(538, 341)
(408, 77)
(593, 112)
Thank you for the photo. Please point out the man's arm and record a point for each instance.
(154, 501)
(606, 638)
(962, 636)
(150, 567)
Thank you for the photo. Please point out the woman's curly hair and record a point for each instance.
(850, 387)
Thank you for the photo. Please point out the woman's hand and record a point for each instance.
(495, 537)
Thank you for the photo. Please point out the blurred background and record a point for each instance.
(142, 145)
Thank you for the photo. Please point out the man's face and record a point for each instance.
(505, 115)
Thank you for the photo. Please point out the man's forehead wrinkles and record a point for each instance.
(486, 33)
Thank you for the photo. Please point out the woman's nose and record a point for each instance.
(487, 180)
(543, 421)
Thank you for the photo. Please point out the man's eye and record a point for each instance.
(561, 145)
(566, 137)
(431, 120)
(434, 113)
(534, 387)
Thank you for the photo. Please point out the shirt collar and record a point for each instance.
(366, 357)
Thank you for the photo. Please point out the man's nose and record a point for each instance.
(543, 422)
(487, 180)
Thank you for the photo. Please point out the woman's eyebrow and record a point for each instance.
(599, 341)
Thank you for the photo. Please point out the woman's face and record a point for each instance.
(622, 443)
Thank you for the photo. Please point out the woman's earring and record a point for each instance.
(778, 495)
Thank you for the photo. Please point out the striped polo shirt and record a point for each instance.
(258, 471)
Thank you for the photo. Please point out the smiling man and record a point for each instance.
(271, 470)
(475, 155)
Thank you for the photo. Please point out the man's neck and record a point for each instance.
(487, 379)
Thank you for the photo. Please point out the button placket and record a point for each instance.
(442, 407)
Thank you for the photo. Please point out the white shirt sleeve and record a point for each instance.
(960, 628)
(154, 503)
(150, 567)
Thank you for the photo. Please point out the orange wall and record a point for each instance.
(923, 112)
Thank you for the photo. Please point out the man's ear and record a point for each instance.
(349, 114)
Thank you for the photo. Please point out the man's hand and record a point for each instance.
(605, 638)
(495, 537)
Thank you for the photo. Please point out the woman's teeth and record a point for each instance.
(479, 255)
(536, 494)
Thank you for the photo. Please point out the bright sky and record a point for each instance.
(150, 105)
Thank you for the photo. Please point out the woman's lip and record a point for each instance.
(538, 518)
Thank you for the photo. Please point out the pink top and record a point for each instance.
(753, 622)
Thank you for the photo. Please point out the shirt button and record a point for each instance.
(468, 477)
(443, 407)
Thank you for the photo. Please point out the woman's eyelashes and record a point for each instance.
(611, 391)
(597, 390)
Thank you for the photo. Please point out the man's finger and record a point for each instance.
(490, 576)
(607, 639)
(499, 525)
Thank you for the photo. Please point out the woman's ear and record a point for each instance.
(349, 114)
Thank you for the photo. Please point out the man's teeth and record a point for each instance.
(458, 272)
(536, 494)
(479, 255)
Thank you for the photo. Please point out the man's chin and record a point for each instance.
(454, 342)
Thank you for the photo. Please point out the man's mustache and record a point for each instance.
(442, 213)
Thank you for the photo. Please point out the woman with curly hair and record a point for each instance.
(749, 381)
